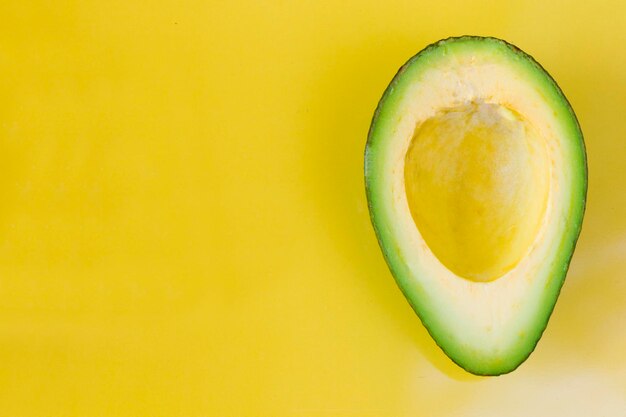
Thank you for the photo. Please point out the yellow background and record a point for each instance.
(183, 225)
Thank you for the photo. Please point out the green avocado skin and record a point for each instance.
(467, 359)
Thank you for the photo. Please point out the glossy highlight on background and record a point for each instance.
(184, 230)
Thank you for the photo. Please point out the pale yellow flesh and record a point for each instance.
(477, 183)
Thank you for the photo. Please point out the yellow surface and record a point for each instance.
(476, 180)
(183, 227)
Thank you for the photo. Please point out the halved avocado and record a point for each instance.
(476, 180)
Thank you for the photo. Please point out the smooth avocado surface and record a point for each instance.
(476, 180)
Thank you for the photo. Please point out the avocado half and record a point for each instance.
(476, 179)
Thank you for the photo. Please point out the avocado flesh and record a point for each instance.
(476, 180)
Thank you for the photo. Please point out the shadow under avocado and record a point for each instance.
(346, 89)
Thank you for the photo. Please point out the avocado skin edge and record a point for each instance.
(557, 279)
